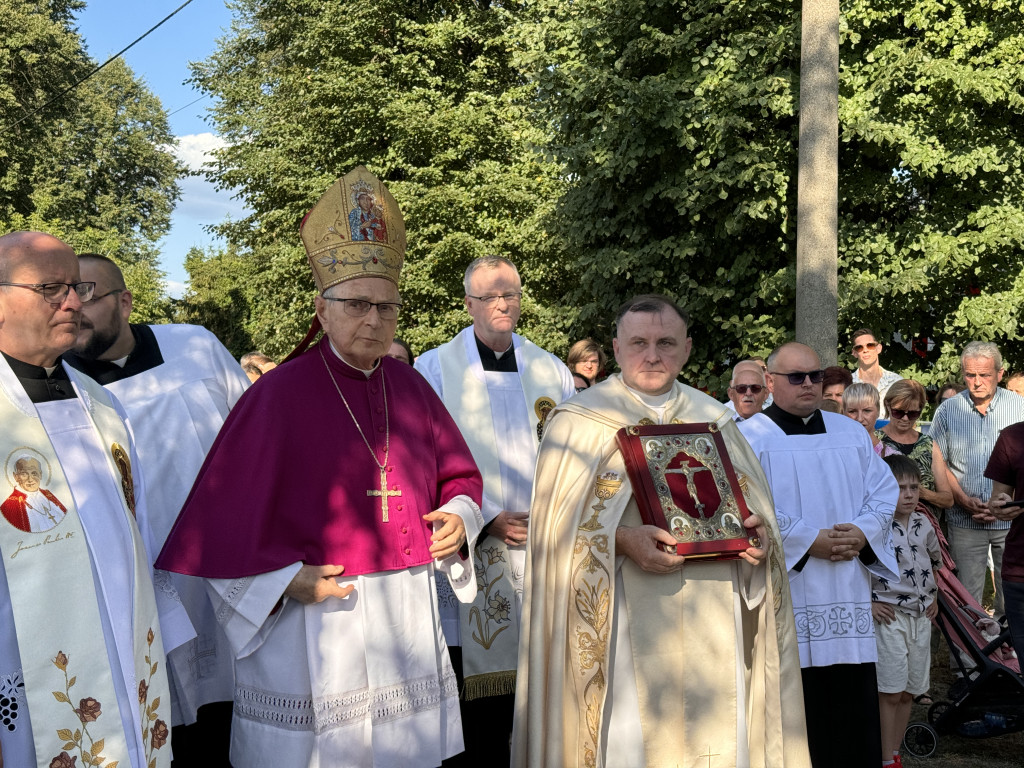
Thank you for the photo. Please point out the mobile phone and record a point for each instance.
(1014, 503)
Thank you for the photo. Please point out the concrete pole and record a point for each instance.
(817, 310)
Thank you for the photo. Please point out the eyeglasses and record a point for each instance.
(753, 388)
(94, 299)
(797, 377)
(386, 310)
(55, 293)
(861, 347)
(488, 301)
(899, 413)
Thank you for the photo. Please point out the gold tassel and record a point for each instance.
(490, 684)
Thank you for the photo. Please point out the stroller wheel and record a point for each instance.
(920, 740)
(937, 710)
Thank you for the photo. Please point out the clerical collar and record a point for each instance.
(365, 372)
(493, 361)
(657, 403)
(40, 386)
(145, 355)
(792, 424)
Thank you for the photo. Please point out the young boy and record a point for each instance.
(902, 611)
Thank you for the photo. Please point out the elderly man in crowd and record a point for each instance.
(748, 389)
(965, 429)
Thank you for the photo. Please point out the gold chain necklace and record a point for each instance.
(383, 493)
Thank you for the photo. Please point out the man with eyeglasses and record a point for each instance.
(499, 388)
(336, 489)
(747, 390)
(82, 629)
(834, 498)
(178, 383)
(866, 350)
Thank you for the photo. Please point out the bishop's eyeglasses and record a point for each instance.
(386, 310)
(55, 293)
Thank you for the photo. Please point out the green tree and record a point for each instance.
(218, 296)
(676, 124)
(96, 167)
(425, 96)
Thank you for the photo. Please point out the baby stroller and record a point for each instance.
(988, 700)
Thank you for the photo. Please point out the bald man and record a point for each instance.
(96, 625)
(834, 500)
(748, 389)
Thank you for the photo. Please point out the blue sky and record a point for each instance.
(162, 60)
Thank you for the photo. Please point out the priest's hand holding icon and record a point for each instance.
(510, 527)
(640, 544)
(450, 537)
(315, 583)
(756, 555)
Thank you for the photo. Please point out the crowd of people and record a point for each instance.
(364, 557)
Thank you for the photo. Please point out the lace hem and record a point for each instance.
(380, 705)
(230, 598)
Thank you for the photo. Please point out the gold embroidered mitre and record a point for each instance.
(355, 230)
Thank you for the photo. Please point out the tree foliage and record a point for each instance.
(95, 167)
(218, 296)
(425, 96)
(676, 123)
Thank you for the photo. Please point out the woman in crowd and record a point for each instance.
(586, 361)
(904, 402)
(400, 350)
(835, 383)
(861, 403)
(945, 392)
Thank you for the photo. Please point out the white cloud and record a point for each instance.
(193, 149)
(175, 288)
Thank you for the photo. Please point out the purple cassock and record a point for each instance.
(288, 476)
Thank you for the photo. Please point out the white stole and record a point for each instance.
(69, 683)
(490, 626)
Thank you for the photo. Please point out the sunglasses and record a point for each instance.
(861, 347)
(753, 388)
(899, 413)
(797, 377)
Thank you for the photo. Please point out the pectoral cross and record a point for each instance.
(688, 472)
(709, 755)
(384, 493)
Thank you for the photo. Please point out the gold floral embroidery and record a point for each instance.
(592, 590)
(497, 607)
(156, 736)
(89, 710)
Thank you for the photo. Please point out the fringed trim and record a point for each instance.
(489, 684)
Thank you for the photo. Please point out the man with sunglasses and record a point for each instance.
(748, 389)
(499, 388)
(178, 383)
(834, 499)
(77, 600)
(866, 350)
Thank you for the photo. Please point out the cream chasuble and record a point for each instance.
(622, 667)
(500, 415)
(80, 611)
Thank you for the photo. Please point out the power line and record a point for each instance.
(187, 105)
(74, 85)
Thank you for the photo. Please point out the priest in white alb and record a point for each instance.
(632, 656)
(335, 490)
(499, 387)
(834, 500)
(177, 382)
(83, 678)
